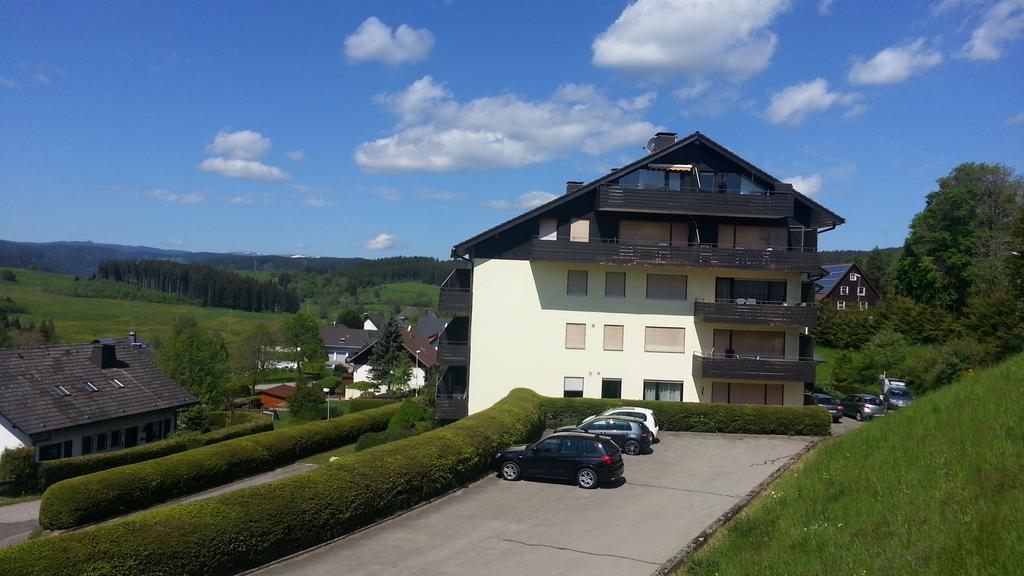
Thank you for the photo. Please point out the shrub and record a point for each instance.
(196, 419)
(409, 413)
(700, 417)
(19, 464)
(54, 471)
(226, 534)
(110, 493)
(371, 439)
(360, 404)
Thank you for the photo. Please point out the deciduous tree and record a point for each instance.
(196, 359)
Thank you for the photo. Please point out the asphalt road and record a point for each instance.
(545, 528)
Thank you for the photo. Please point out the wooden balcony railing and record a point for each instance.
(451, 407)
(452, 352)
(751, 367)
(696, 201)
(750, 311)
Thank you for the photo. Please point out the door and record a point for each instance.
(544, 459)
(570, 454)
(131, 436)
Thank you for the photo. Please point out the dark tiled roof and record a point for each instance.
(282, 391)
(345, 337)
(411, 342)
(835, 274)
(429, 326)
(30, 401)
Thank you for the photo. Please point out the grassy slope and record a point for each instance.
(935, 489)
(381, 299)
(83, 319)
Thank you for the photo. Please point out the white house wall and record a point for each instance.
(11, 437)
(362, 374)
(520, 310)
(76, 434)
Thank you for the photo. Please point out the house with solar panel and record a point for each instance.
(80, 399)
(845, 287)
(687, 275)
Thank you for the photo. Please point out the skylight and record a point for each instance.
(117, 383)
(90, 387)
(61, 391)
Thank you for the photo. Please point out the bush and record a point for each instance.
(371, 439)
(409, 413)
(360, 404)
(700, 417)
(19, 464)
(54, 471)
(196, 419)
(111, 493)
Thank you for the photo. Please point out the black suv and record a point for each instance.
(587, 458)
(631, 434)
(835, 410)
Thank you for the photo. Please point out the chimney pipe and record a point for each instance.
(662, 140)
(103, 356)
(572, 186)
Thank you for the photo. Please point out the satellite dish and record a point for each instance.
(650, 144)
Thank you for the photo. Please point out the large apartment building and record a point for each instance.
(687, 275)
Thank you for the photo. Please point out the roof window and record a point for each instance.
(89, 386)
(117, 383)
(61, 391)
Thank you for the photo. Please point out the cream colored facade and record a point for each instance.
(520, 310)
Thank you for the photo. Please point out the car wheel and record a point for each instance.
(511, 471)
(586, 478)
(860, 416)
(632, 447)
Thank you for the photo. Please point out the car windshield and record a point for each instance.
(900, 393)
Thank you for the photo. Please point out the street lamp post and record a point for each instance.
(416, 392)
(327, 392)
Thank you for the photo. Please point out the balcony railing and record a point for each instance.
(730, 367)
(611, 251)
(451, 406)
(452, 352)
(696, 201)
(752, 311)
(456, 297)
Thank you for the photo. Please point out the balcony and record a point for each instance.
(451, 407)
(452, 352)
(452, 399)
(743, 367)
(605, 251)
(696, 201)
(456, 297)
(750, 311)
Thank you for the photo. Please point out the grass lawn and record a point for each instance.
(933, 489)
(381, 299)
(325, 457)
(286, 419)
(5, 500)
(84, 319)
(823, 371)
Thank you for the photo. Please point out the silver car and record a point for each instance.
(898, 397)
(863, 406)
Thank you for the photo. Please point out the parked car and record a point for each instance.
(888, 382)
(835, 410)
(863, 406)
(645, 415)
(898, 397)
(587, 458)
(630, 434)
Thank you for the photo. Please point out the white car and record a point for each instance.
(646, 415)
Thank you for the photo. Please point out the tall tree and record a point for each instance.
(196, 359)
(252, 356)
(387, 352)
(300, 336)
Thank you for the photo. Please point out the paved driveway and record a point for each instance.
(544, 528)
(17, 521)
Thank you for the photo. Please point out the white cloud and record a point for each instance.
(894, 64)
(243, 169)
(807, 185)
(525, 201)
(791, 106)
(176, 198)
(696, 89)
(242, 199)
(7, 82)
(389, 194)
(945, 6)
(1002, 24)
(374, 40)
(437, 133)
(319, 202)
(242, 145)
(295, 155)
(381, 242)
(659, 38)
(825, 7)
(641, 102)
(436, 195)
(1016, 119)
(700, 100)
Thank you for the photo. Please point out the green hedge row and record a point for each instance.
(372, 439)
(360, 404)
(700, 417)
(114, 492)
(54, 471)
(228, 534)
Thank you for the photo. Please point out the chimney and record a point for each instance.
(133, 337)
(103, 356)
(661, 141)
(572, 186)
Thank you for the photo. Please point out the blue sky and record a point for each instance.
(387, 128)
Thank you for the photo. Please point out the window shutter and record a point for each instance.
(666, 287)
(576, 336)
(613, 337)
(548, 229)
(576, 283)
(660, 339)
(579, 231)
(615, 284)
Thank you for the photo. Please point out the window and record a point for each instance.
(548, 229)
(615, 284)
(572, 446)
(548, 447)
(572, 387)
(660, 339)
(101, 442)
(116, 383)
(115, 438)
(749, 343)
(613, 337)
(49, 452)
(61, 391)
(760, 291)
(86, 445)
(840, 304)
(663, 390)
(599, 425)
(863, 304)
(575, 336)
(69, 448)
(666, 287)
(736, 236)
(844, 290)
(579, 230)
(576, 283)
(862, 291)
(744, 393)
(89, 387)
(611, 388)
(854, 276)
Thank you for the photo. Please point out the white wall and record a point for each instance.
(520, 310)
(75, 434)
(362, 374)
(11, 437)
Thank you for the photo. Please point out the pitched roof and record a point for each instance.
(430, 326)
(825, 285)
(411, 342)
(30, 397)
(460, 248)
(340, 336)
(282, 391)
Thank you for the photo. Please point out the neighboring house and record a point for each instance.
(686, 275)
(422, 356)
(342, 342)
(79, 399)
(430, 327)
(277, 396)
(846, 288)
(373, 322)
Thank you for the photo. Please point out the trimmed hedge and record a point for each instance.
(227, 534)
(372, 439)
(118, 491)
(54, 471)
(700, 417)
(360, 404)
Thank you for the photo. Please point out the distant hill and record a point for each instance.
(858, 256)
